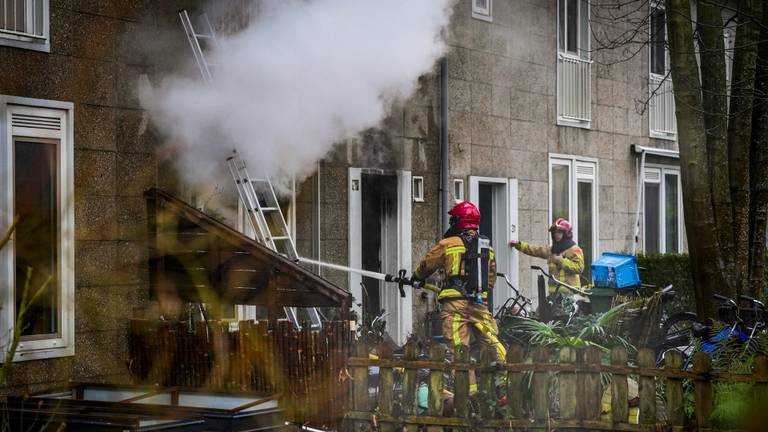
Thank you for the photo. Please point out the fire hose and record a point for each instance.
(400, 279)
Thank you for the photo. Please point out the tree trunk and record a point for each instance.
(758, 185)
(739, 133)
(697, 195)
(715, 99)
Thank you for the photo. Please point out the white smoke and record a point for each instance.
(301, 76)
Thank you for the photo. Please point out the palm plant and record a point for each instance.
(24, 305)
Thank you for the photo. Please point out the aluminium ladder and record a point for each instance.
(257, 195)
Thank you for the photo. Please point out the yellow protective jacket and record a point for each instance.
(447, 255)
(569, 268)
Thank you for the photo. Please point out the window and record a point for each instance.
(418, 189)
(574, 67)
(661, 103)
(36, 149)
(573, 196)
(458, 190)
(662, 210)
(24, 24)
(573, 27)
(482, 9)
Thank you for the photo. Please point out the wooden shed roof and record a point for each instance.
(194, 256)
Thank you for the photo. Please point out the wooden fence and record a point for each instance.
(307, 367)
(540, 394)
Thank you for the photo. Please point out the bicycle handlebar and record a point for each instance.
(753, 300)
(509, 283)
(563, 284)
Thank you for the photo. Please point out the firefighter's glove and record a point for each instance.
(557, 259)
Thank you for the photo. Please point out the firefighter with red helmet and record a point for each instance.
(467, 260)
(565, 258)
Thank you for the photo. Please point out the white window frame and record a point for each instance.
(583, 56)
(480, 12)
(654, 77)
(663, 170)
(39, 40)
(458, 190)
(573, 163)
(64, 344)
(418, 188)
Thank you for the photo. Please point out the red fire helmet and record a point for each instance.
(562, 225)
(465, 215)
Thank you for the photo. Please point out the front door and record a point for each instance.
(380, 241)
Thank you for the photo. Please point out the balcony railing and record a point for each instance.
(661, 107)
(574, 89)
(23, 19)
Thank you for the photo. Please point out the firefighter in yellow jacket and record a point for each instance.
(468, 261)
(565, 258)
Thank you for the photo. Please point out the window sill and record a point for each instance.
(662, 135)
(568, 122)
(24, 43)
(45, 353)
(482, 17)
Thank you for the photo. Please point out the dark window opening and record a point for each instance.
(379, 236)
(37, 233)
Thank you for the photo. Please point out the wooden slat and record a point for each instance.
(647, 388)
(674, 391)
(567, 385)
(410, 383)
(386, 386)
(540, 386)
(515, 383)
(461, 384)
(592, 393)
(436, 353)
(619, 388)
(487, 386)
(702, 390)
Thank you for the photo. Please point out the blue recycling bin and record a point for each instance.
(612, 273)
(617, 271)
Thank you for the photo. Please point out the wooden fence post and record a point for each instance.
(591, 399)
(540, 387)
(702, 391)
(487, 386)
(461, 383)
(673, 361)
(410, 384)
(567, 385)
(360, 402)
(386, 386)
(647, 388)
(436, 354)
(515, 380)
(619, 388)
(761, 386)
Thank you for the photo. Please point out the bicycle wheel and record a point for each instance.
(677, 335)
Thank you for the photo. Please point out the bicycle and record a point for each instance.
(577, 304)
(683, 332)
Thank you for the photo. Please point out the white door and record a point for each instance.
(501, 194)
(400, 316)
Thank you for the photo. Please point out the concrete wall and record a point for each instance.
(503, 115)
(98, 51)
(502, 123)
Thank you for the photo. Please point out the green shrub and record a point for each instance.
(664, 269)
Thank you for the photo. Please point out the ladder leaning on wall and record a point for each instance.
(257, 195)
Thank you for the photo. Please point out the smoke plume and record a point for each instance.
(299, 77)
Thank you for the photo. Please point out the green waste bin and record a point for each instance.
(601, 299)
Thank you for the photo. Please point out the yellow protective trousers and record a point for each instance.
(464, 317)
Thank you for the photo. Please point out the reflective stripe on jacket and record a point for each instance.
(447, 255)
(569, 268)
